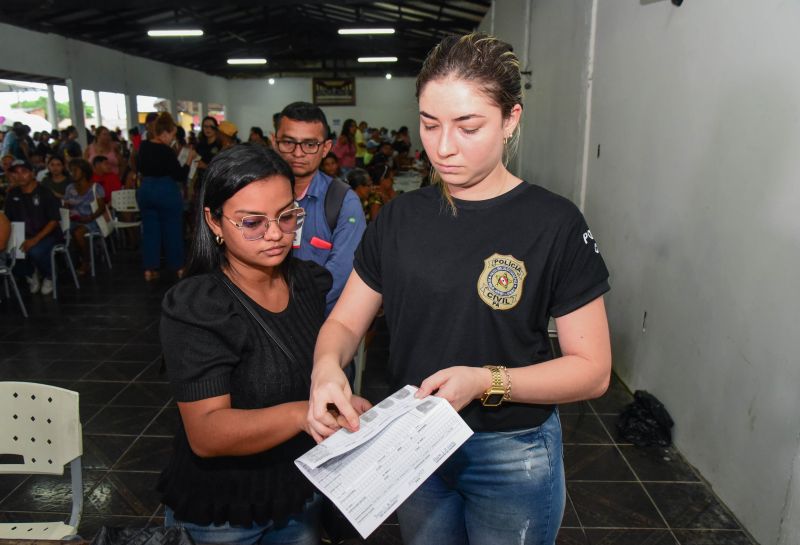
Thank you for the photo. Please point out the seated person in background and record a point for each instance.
(375, 137)
(79, 196)
(56, 179)
(402, 140)
(43, 144)
(106, 177)
(360, 182)
(385, 154)
(257, 137)
(129, 178)
(383, 179)
(242, 399)
(330, 165)
(30, 202)
(372, 148)
(37, 163)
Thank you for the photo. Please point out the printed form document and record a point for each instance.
(400, 443)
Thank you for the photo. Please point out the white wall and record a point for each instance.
(553, 126)
(696, 194)
(380, 102)
(694, 198)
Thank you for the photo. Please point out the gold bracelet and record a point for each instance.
(507, 395)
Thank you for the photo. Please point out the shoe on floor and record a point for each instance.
(47, 286)
(33, 282)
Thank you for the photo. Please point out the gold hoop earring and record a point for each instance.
(505, 139)
(219, 240)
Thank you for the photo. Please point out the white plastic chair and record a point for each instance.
(42, 424)
(124, 200)
(103, 247)
(63, 249)
(7, 265)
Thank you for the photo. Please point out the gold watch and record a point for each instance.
(495, 394)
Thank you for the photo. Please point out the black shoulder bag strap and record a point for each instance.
(249, 308)
(334, 198)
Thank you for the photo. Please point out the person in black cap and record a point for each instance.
(37, 207)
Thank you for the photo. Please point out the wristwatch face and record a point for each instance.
(493, 399)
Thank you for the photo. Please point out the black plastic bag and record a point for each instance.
(153, 535)
(645, 421)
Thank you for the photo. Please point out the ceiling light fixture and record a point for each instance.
(248, 61)
(377, 59)
(388, 75)
(353, 31)
(174, 33)
(271, 81)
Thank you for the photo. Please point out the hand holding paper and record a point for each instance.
(401, 441)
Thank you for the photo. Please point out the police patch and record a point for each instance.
(501, 281)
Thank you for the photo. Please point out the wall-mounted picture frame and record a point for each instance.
(334, 91)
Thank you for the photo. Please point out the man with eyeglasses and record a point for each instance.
(302, 139)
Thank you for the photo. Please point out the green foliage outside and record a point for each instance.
(62, 108)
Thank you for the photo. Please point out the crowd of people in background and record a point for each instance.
(166, 164)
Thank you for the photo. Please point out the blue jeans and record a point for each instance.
(161, 206)
(302, 529)
(498, 488)
(39, 257)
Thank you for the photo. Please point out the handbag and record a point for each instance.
(103, 222)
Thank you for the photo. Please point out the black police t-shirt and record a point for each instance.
(479, 287)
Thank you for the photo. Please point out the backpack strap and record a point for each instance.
(334, 198)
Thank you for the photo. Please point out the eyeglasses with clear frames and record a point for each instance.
(256, 226)
(307, 146)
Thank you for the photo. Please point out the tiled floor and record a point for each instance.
(102, 341)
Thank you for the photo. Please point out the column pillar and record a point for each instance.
(97, 108)
(76, 111)
(130, 111)
(52, 111)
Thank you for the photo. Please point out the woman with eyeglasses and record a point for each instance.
(208, 145)
(238, 336)
(469, 272)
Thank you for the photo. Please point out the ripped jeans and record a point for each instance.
(498, 488)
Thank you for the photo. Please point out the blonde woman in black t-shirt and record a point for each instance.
(469, 271)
